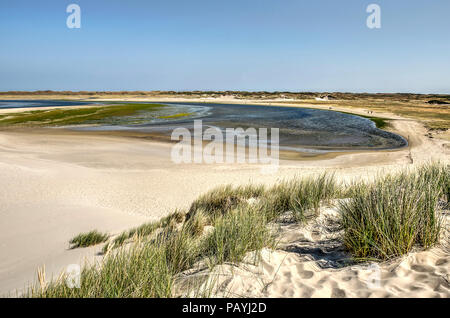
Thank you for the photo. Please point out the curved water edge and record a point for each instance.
(300, 129)
(305, 129)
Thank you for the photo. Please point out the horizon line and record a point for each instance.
(216, 91)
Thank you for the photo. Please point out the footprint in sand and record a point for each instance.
(306, 274)
(422, 268)
(441, 261)
(337, 293)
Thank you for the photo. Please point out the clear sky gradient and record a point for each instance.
(295, 45)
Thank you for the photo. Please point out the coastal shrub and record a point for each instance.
(391, 216)
(88, 239)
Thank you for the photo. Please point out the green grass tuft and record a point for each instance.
(88, 239)
(148, 268)
(223, 199)
(300, 197)
(145, 230)
(389, 217)
(139, 271)
(237, 233)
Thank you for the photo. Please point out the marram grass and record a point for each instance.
(144, 230)
(148, 268)
(394, 214)
(138, 271)
(88, 239)
(300, 197)
(380, 220)
(235, 234)
(221, 200)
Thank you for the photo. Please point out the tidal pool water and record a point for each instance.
(300, 129)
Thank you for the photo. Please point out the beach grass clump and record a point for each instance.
(144, 268)
(439, 173)
(223, 199)
(149, 267)
(145, 229)
(88, 239)
(393, 215)
(277, 200)
(235, 234)
(310, 193)
(139, 271)
(297, 196)
(140, 231)
(197, 223)
(182, 247)
(446, 184)
(300, 197)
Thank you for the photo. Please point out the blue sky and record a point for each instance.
(295, 45)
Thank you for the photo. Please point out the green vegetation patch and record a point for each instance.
(64, 116)
(300, 197)
(139, 271)
(145, 229)
(379, 122)
(235, 234)
(221, 200)
(88, 239)
(148, 268)
(380, 220)
(395, 214)
(179, 115)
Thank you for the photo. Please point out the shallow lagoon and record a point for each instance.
(301, 129)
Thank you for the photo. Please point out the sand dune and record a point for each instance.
(311, 262)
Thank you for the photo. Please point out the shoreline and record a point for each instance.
(285, 153)
(165, 139)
